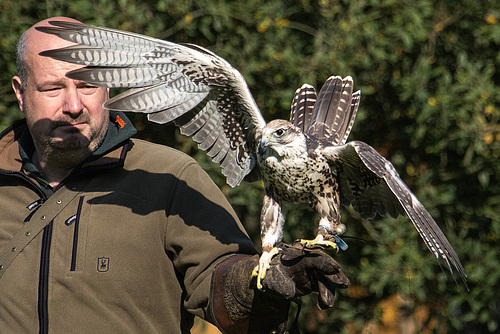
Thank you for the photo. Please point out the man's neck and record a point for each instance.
(53, 167)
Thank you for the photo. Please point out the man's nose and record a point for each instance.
(72, 104)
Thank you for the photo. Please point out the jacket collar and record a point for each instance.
(16, 146)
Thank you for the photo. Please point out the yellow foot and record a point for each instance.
(318, 241)
(261, 268)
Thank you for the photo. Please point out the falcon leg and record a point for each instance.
(271, 220)
(264, 262)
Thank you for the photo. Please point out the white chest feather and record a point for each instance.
(297, 178)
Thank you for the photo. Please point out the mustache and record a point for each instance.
(82, 118)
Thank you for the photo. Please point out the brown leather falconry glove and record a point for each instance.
(236, 306)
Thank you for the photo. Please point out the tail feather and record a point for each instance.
(335, 110)
(302, 106)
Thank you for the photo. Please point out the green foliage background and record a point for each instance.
(428, 71)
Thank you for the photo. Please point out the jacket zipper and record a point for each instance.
(75, 234)
(43, 278)
(43, 281)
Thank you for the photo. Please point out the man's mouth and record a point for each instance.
(77, 126)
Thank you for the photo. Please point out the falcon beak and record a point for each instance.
(264, 142)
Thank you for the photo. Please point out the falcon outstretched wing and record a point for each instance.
(201, 92)
(334, 112)
(371, 184)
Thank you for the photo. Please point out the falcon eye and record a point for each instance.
(279, 132)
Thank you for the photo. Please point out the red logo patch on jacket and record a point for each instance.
(120, 122)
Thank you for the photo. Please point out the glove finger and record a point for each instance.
(293, 255)
(278, 282)
(324, 262)
(326, 295)
(338, 280)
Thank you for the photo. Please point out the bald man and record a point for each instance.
(103, 233)
(65, 117)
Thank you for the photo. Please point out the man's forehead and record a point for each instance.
(37, 41)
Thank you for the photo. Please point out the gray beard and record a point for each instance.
(67, 154)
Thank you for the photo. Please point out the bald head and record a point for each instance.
(32, 42)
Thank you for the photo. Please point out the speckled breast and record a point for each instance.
(296, 179)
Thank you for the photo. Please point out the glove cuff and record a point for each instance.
(237, 307)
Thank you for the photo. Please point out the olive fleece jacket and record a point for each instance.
(131, 240)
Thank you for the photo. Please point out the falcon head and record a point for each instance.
(282, 138)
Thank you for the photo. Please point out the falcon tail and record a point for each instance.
(302, 106)
(334, 112)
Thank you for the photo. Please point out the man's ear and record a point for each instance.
(17, 85)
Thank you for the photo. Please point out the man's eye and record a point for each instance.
(88, 89)
(51, 91)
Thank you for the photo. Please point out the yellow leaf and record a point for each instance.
(488, 138)
(490, 19)
(439, 26)
(489, 109)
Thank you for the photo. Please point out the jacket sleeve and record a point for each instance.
(202, 230)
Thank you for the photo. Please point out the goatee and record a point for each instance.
(74, 147)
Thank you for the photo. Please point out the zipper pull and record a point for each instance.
(34, 204)
(33, 207)
(70, 220)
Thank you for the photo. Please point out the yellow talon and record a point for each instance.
(264, 262)
(255, 271)
(318, 241)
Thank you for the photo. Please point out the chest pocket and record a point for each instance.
(108, 233)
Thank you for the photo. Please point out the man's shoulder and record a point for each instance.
(146, 147)
(153, 154)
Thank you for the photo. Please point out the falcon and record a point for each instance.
(303, 160)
